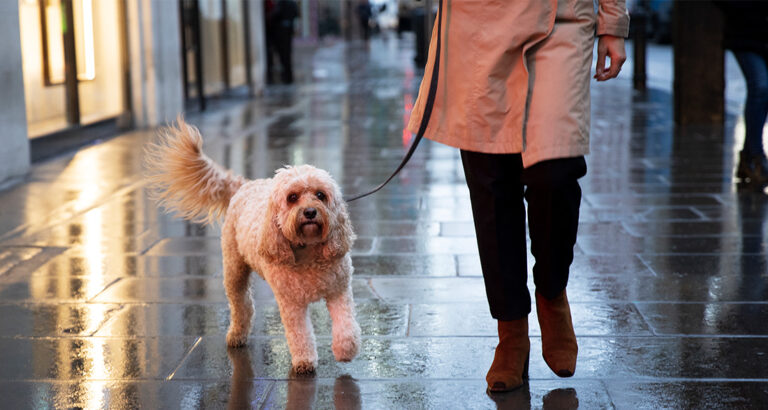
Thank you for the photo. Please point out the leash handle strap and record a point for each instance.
(427, 110)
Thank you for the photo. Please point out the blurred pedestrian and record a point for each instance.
(403, 18)
(269, 39)
(746, 35)
(279, 33)
(364, 14)
(513, 95)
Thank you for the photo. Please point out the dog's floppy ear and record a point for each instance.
(272, 244)
(341, 236)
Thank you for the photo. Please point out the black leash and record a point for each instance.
(427, 111)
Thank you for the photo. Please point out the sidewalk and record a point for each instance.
(107, 302)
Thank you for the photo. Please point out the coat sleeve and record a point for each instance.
(612, 18)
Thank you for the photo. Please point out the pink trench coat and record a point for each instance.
(514, 75)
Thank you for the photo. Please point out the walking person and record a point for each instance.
(280, 37)
(746, 35)
(513, 95)
(269, 39)
(364, 14)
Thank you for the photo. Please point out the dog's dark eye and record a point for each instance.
(293, 198)
(320, 195)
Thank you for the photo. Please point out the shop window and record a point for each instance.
(93, 45)
(53, 24)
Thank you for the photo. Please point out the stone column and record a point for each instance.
(699, 66)
(14, 151)
(154, 58)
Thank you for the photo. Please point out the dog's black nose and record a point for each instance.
(310, 213)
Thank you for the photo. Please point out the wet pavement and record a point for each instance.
(107, 302)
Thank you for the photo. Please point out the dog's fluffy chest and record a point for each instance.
(309, 283)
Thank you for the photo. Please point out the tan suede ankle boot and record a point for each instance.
(510, 362)
(558, 341)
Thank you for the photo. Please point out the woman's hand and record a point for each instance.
(613, 47)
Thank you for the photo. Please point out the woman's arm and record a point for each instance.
(612, 28)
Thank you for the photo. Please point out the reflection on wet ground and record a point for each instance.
(107, 302)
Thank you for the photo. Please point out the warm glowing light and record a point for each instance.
(92, 237)
(88, 49)
(55, 46)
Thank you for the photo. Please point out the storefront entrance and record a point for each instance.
(73, 54)
(215, 49)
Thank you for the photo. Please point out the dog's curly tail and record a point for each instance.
(184, 180)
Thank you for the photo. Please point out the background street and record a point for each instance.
(105, 301)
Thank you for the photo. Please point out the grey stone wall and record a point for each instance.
(14, 146)
(154, 59)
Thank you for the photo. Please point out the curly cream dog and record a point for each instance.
(293, 229)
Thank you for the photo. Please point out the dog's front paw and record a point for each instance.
(236, 338)
(345, 348)
(303, 366)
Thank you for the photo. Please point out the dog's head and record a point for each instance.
(306, 209)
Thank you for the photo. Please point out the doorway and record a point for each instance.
(73, 63)
(216, 53)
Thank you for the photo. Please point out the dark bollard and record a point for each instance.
(422, 27)
(417, 18)
(428, 22)
(699, 69)
(639, 40)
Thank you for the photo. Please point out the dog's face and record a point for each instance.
(304, 197)
(307, 210)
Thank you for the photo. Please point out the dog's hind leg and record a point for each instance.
(300, 336)
(346, 331)
(236, 274)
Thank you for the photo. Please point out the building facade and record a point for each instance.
(74, 66)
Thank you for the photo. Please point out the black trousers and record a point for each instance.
(498, 183)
